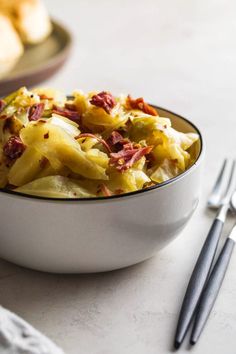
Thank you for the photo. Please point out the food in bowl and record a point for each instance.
(87, 145)
(100, 234)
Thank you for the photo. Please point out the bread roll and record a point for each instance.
(30, 19)
(11, 47)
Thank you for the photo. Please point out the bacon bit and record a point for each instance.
(100, 140)
(2, 105)
(45, 97)
(116, 141)
(105, 190)
(115, 138)
(129, 146)
(70, 106)
(42, 121)
(104, 100)
(124, 159)
(71, 114)
(13, 148)
(139, 103)
(46, 136)
(36, 111)
(3, 117)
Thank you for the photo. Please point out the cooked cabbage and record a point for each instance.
(86, 145)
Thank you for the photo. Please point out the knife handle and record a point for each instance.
(212, 289)
(198, 280)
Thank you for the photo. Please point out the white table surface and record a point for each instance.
(180, 55)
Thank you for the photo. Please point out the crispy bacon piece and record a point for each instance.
(13, 148)
(90, 135)
(139, 103)
(130, 146)
(124, 159)
(70, 106)
(104, 100)
(115, 138)
(68, 112)
(45, 97)
(2, 105)
(36, 111)
(116, 141)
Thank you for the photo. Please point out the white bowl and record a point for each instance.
(99, 234)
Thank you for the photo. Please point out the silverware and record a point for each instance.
(219, 199)
(214, 282)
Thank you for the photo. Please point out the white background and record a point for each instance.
(180, 55)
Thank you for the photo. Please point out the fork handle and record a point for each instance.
(198, 279)
(211, 290)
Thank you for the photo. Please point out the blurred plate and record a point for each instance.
(40, 61)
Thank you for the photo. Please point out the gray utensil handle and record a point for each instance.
(198, 280)
(211, 289)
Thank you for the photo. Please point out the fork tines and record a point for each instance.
(223, 185)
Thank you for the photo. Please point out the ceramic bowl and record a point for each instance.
(99, 234)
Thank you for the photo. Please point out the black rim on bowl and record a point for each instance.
(124, 195)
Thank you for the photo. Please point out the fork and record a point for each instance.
(219, 199)
(213, 285)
